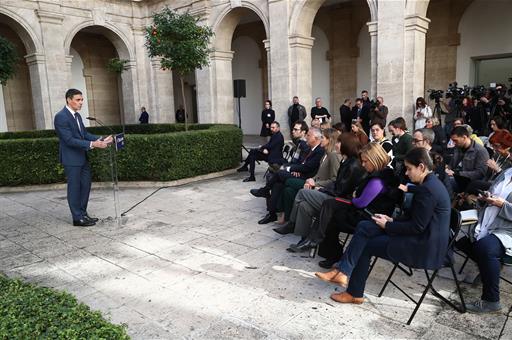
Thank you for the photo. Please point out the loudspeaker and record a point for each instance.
(239, 88)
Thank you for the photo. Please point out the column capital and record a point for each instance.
(301, 41)
(49, 17)
(416, 23)
(35, 58)
(372, 27)
(222, 55)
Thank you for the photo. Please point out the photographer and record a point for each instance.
(379, 113)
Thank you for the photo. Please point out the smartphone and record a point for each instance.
(369, 212)
(484, 193)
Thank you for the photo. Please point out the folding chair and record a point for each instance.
(455, 225)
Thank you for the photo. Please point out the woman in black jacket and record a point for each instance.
(267, 117)
(440, 140)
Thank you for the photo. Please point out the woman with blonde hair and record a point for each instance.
(326, 174)
(377, 193)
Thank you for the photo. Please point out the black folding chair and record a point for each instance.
(455, 225)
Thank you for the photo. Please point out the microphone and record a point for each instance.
(90, 118)
(101, 124)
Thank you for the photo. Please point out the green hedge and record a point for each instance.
(30, 312)
(154, 157)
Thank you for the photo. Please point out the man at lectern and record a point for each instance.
(74, 143)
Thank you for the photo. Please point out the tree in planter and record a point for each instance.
(118, 66)
(181, 44)
(8, 60)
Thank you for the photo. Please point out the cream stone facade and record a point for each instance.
(330, 48)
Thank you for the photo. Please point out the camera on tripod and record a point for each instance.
(435, 95)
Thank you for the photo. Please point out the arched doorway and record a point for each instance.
(189, 85)
(339, 37)
(239, 41)
(109, 95)
(16, 107)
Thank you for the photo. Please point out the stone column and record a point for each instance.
(221, 87)
(50, 70)
(301, 70)
(390, 56)
(266, 43)
(3, 114)
(130, 99)
(142, 88)
(414, 61)
(205, 99)
(372, 28)
(163, 94)
(40, 92)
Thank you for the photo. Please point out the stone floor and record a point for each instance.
(192, 262)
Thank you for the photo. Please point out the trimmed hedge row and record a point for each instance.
(154, 157)
(30, 312)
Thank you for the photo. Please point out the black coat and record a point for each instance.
(346, 117)
(267, 117)
(310, 164)
(421, 240)
(364, 115)
(350, 174)
(275, 148)
(440, 141)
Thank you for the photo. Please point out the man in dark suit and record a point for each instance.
(361, 112)
(346, 115)
(272, 152)
(144, 116)
(306, 169)
(74, 143)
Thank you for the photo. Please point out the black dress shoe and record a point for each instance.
(93, 219)
(270, 217)
(242, 169)
(301, 247)
(261, 192)
(288, 228)
(327, 263)
(83, 223)
(249, 179)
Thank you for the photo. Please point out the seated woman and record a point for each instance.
(326, 173)
(377, 193)
(308, 202)
(501, 142)
(379, 136)
(357, 129)
(491, 240)
(419, 240)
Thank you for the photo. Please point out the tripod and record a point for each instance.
(438, 111)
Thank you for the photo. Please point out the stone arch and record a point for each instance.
(304, 13)
(227, 21)
(112, 33)
(23, 29)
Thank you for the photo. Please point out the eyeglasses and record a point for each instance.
(417, 140)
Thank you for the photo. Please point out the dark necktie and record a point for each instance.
(78, 122)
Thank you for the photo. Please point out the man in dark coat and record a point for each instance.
(272, 152)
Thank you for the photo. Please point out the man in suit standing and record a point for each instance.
(361, 112)
(74, 143)
(272, 152)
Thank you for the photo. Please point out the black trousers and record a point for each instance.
(254, 155)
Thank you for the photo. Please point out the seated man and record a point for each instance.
(272, 152)
(469, 162)
(300, 147)
(306, 169)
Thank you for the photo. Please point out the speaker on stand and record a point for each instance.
(239, 92)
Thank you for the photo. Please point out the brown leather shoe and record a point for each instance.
(346, 298)
(334, 276)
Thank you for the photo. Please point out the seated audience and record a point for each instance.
(490, 240)
(357, 130)
(327, 172)
(469, 161)
(308, 200)
(496, 124)
(440, 140)
(306, 169)
(418, 240)
(272, 152)
(501, 141)
(379, 136)
(316, 123)
(377, 193)
(402, 143)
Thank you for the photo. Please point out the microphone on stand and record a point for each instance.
(101, 124)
